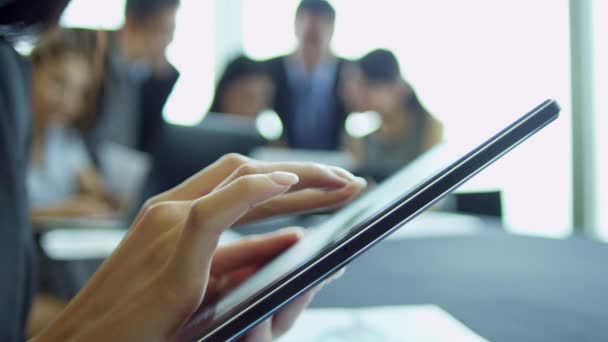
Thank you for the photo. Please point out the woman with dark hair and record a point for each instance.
(62, 180)
(407, 129)
(169, 264)
(245, 88)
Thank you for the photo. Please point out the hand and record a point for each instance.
(235, 263)
(168, 265)
(320, 188)
(91, 183)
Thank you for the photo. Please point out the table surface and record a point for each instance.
(504, 287)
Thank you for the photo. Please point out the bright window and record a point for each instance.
(94, 14)
(600, 21)
(474, 64)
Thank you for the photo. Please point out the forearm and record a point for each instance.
(59, 210)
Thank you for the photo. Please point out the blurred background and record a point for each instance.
(473, 63)
(170, 86)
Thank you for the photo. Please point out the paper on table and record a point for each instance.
(387, 324)
(79, 244)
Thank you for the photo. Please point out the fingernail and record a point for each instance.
(300, 232)
(361, 180)
(342, 173)
(338, 274)
(284, 178)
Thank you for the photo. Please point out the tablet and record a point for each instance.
(354, 229)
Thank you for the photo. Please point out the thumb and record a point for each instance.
(214, 213)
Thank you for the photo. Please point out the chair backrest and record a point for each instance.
(480, 203)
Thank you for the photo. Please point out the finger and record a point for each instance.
(235, 263)
(220, 285)
(343, 173)
(305, 201)
(204, 181)
(212, 214)
(261, 333)
(198, 185)
(286, 318)
(335, 276)
(162, 216)
(255, 250)
(311, 175)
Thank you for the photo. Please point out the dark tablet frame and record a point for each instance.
(336, 256)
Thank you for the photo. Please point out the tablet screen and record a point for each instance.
(416, 187)
(337, 227)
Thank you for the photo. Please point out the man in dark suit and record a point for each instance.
(138, 79)
(307, 82)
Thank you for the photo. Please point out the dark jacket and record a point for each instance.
(17, 273)
(284, 102)
(150, 96)
(154, 94)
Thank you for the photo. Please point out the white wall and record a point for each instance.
(601, 107)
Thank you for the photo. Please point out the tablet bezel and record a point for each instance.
(266, 302)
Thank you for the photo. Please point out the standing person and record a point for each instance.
(170, 256)
(139, 78)
(407, 129)
(307, 97)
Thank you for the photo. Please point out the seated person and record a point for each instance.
(244, 89)
(407, 129)
(170, 257)
(61, 178)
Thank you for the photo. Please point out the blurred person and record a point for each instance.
(139, 78)
(137, 84)
(407, 128)
(67, 66)
(351, 88)
(170, 257)
(62, 181)
(308, 98)
(244, 89)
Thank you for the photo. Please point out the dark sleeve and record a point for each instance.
(16, 243)
(155, 92)
(340, 106)
(282, 101)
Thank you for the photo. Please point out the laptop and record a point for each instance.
(356, 228)
(183, 151)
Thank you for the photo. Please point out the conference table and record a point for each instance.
(502, 286)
